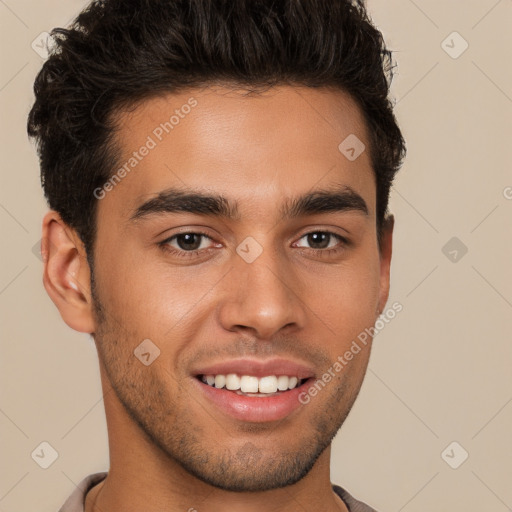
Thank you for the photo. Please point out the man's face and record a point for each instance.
(269, 286)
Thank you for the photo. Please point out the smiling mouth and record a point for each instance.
(252, 386)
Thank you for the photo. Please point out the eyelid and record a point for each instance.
(342, 244)
(322, 228)
(195, 231)
(342, 239)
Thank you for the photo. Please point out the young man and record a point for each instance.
(218, 175)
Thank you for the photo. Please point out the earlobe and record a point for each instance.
(386, 249)
(66, 274)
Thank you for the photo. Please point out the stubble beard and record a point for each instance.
(251, 463)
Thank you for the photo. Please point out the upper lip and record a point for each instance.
(257, 368)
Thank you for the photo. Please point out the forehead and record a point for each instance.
(259, 148)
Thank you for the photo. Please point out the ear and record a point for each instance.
(66, 274)
(386, 248)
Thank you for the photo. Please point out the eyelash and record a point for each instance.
(164, 245)
(180, 252)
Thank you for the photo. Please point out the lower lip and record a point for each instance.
(254, 409)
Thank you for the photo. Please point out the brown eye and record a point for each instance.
(321, 240)
(187, 241)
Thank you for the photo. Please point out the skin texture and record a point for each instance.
(170, 447)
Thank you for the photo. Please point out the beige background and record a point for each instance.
(440, 371)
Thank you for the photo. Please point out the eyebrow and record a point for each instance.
(172, 200)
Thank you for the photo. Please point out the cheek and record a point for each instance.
(346, 300)
(151, 297)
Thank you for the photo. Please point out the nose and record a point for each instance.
(262, 297)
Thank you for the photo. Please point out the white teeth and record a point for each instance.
(268, 384)
(232, 381)
(282, 382)
(250, 384)
(292, 382)
(220, 381)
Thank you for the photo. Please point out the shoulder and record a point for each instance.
(352, 504)
(76, 501)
